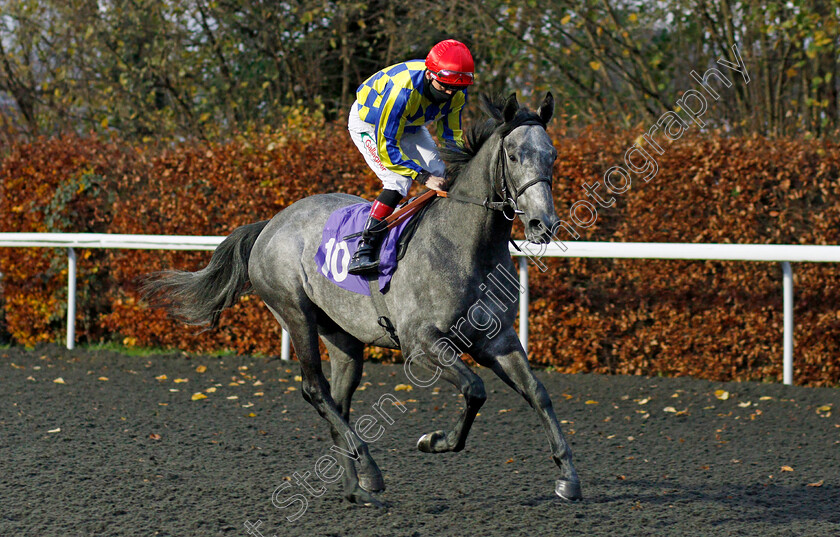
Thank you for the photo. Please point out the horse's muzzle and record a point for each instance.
(537, 232)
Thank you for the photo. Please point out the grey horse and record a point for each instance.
(440, 299)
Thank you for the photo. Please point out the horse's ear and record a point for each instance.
(546, 109)
(511, 106)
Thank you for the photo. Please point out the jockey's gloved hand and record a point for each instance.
(436, 183)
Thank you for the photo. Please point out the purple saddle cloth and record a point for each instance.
(334, 253)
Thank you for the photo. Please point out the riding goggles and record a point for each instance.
(453, 79)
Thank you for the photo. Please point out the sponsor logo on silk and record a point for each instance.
(370, 145)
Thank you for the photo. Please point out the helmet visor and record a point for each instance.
(453, 78)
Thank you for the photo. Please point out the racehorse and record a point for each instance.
(504, 170)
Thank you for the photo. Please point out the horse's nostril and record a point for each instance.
(534, 223)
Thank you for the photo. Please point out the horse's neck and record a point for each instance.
(473, 226)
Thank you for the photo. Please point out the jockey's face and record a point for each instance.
(449, 90)
(443, 88)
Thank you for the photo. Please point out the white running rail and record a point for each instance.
(782, 253)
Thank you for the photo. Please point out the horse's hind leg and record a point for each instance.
(346, 363)
(508, 360)
(316, 391)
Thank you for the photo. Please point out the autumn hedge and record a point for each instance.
(715, 320)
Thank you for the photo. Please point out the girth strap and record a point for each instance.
(382, 310)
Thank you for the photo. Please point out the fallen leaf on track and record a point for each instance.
(201, 369)
(723, 395)
(787, 469)
(817, 484)
(59, 380)
(103, 378)
(198, 396)
(211, 389)
(179, 381)
(591, 402)
(508, 461)
(669, 409)
(154, 436)
(58, 430)
(403, 388)
(161, 377)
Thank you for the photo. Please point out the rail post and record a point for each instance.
(523, 302)
(71, 298)
(284, 346)
(787, 286)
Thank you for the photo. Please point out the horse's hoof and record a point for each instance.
(568, 490)
(428, 442)
(364, 498)
(372, 484)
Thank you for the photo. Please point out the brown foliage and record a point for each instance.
(716, 320)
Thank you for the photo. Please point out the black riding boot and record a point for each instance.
(366, 258)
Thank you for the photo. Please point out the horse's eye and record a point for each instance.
(512, 158)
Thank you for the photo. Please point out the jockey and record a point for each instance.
(387, 124)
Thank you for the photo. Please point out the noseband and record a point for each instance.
(504, 188)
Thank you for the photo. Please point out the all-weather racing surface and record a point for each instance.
(98, 443)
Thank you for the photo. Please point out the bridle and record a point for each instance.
(503, 188)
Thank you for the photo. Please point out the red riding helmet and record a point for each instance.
(451, 63)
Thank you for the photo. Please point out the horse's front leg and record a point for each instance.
(506, 357)
(452, 369)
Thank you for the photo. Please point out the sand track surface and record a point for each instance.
(98, 443)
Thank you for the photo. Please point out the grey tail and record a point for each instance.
(198, 298)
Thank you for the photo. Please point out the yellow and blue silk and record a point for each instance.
(393, 101)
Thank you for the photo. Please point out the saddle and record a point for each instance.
(417, 207)
(334, 243)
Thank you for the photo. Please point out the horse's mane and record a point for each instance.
(457, 158)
